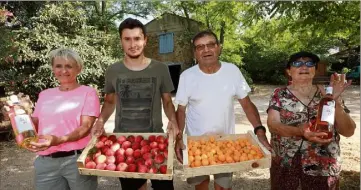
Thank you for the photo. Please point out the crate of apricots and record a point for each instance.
(212, 154)
(129, 155)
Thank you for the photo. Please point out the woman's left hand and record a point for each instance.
(313, 136)
(47, 142)
(339, 84)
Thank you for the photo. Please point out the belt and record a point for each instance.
(63, 153)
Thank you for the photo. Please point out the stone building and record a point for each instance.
(169, 41)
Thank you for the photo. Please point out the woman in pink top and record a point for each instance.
(63, 117)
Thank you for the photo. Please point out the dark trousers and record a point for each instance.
(135, 184)
(292, 177)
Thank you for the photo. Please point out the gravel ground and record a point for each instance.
(17, 171)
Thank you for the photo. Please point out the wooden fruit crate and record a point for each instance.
(96, 172)
(264, 162)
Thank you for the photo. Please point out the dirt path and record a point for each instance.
(17, 171)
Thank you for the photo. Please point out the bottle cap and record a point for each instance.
(329, 90)
(14, 99)
(19, 112)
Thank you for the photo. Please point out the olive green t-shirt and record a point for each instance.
(138, 96)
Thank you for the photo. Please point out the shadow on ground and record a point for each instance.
(350, 180)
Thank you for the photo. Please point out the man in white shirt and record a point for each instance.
(207, 91)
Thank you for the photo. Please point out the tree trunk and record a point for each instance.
(103, 7)
(185, 10)
(104, 17)
(96, 7)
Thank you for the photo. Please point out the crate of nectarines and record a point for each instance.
(129, 155)
(212, 154)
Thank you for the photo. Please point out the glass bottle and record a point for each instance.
(325, 115)
(23, 127)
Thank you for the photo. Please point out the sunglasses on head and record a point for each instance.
(301, 63)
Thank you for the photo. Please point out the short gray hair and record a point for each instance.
(66, 53)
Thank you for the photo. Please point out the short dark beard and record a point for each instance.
(134, 57)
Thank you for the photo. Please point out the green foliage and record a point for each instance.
(345, 70)
(247, 76)
(275, 30)
(5, 45)
(60, 25)
(256, 36)
(331, 19)
(24, 10)
(266, 53)
(6, 40)
(104, 14)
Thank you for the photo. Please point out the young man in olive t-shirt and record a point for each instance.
(138, 96)
(136, 86)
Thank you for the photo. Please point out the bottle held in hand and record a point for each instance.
(325, 115)
(22, 124)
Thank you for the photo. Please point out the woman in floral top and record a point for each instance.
(301, 157)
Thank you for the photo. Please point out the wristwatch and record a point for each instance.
(258, 128)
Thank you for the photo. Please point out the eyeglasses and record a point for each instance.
(201, 47)
(300, 64)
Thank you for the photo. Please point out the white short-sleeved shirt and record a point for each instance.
(209, 98)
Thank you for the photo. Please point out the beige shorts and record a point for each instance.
(224, 179)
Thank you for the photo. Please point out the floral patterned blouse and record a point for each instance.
(316, 159)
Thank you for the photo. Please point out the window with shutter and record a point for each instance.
(166, 43)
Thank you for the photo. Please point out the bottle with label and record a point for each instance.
(325, 115)
(22, 124)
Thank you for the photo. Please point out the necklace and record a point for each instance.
(68, 88)
(309, 93)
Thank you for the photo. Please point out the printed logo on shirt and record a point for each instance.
(136, 101)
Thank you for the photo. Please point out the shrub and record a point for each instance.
(57, 25)
(345, 70)
(247, 76)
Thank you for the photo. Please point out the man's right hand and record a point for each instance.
(98, 128)
(179, 147)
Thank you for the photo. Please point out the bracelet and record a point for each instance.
(258, 128)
